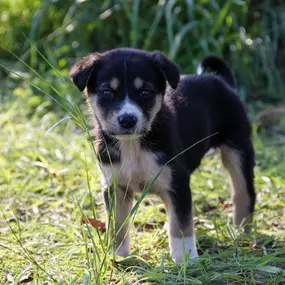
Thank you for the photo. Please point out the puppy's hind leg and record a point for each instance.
(238, 159)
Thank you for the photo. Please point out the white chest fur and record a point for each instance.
(137, 169)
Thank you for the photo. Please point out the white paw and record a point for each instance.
(181, 248)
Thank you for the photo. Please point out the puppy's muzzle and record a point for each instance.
(127, 121)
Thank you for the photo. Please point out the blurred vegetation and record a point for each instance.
(249, 34)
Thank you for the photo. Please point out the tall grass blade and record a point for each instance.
(179, 37)
(221, 18)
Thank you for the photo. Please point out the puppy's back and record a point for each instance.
(205, 104)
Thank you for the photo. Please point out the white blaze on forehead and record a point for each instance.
(130, 107)
(114, 83)
(138, 83)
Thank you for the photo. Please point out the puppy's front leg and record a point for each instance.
(181, 234)
(118, 204)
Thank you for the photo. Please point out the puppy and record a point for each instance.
(147, 118)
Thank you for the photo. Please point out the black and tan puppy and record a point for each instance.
(146, 115)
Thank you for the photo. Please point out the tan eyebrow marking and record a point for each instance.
(138, 83)
(114, 83)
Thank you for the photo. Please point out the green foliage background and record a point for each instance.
(249, 34)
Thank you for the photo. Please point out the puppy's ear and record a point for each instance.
(168, 68)
(82, 70)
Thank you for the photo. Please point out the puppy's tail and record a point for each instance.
(217, 65)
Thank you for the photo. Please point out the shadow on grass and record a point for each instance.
(244, 262)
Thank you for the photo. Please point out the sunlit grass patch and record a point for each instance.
(50, 181)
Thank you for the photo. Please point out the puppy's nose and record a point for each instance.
(127, 121)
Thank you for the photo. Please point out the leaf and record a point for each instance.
(149, 226)
(271, 269)
(208, 207)
(10, 278)
(87, 278)
(97, 224)
(256, 246)
(26, 279)
(130, 261)
(222, 16)
(225, 204)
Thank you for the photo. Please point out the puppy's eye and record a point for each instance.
(107, 94)
(146, 93)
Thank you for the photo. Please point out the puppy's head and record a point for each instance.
(125, 88)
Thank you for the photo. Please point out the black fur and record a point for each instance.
(203, 108)
(217, 65)
(80, 72)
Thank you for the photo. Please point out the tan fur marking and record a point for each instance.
(114, 83)
(232, 161)
(96, 110)
(138, 83)
(156, 108)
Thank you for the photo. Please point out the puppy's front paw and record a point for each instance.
(181, 248)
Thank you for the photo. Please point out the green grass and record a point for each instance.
(49, 181)
(49, 174)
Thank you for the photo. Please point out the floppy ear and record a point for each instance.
(168, 68)
(82, 70)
